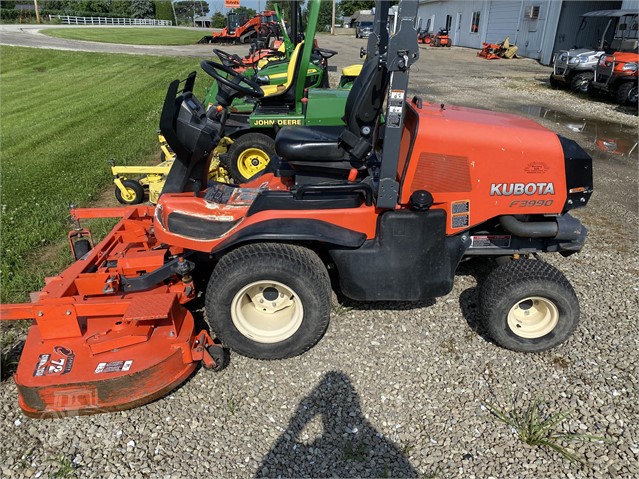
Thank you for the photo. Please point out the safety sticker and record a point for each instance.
(395, 108)
(60, 361)
(460, 214)
(219, 193)
(113, 366)
(490, 241)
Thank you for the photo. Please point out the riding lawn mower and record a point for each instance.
(247, 144)
(384, 212)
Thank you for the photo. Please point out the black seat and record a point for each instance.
(318, 143)
(341, 147)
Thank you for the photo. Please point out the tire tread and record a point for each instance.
(306, 263)
(525, 274)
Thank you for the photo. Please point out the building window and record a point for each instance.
(428, 25)
(449, 22)
(532, 12)
(474, 24)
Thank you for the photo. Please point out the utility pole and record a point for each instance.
(333, 19)
(174, 15)
(37, 12)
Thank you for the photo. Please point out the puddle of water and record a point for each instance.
(607, 137)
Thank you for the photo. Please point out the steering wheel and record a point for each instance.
(228, 59)
(234, 81)
(326, 53)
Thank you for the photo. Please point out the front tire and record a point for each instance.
(580, 82)
(555, 84)
(626, 93)
(249, 155)
(134, 193)
(528, 306)
(269, 300)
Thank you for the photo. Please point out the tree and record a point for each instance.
(283, 5)
(163, 10)
(120, 8)
(248, 12)
(325, 17)
(349, 7)
(142, 9)
(218, 20)
(186, 10)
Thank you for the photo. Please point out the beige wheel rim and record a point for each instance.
(267, 311)
(533, 317)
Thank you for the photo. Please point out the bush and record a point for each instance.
(163, 10)
(7, 14)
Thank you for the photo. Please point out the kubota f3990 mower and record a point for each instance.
(390, 211)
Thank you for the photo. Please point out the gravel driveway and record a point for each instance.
(396, 390)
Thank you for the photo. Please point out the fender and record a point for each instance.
(295, 230)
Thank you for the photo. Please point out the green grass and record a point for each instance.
(64, 114)
(130, 36)
(537, 427)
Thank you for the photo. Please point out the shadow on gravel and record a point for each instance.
(349, 445)
(478, 268)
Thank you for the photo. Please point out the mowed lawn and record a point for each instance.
(63, 116)
(130, 36)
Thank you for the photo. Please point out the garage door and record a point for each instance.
(502, 21)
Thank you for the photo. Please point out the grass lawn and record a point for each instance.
(63, 115)
(130, 36)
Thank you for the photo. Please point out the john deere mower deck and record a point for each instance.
(390, 211)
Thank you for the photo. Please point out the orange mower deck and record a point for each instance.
(92, 348)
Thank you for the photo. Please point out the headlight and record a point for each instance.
(563, 58)
(629, 67)
(574, 61)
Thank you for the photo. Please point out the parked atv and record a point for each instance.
(576, 67)
(616, 76)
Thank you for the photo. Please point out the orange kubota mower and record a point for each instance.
(390, 211)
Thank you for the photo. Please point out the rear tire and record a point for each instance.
(269, 300)
(249, 155)
(580, 82)
(528, 306)
(626, 93)
(134, 195)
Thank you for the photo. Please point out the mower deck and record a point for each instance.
(92, 348)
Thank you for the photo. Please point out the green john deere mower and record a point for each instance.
(290, 91)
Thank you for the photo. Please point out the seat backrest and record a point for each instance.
(363, 108)
(283, 90)
(366, 98)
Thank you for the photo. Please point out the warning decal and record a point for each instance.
(460, 214)
(490, 241)
(113, 366)
(395, 108)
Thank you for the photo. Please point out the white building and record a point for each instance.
(537, 27)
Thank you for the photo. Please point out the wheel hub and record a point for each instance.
(533, 317)
(267, 311)
(251, 161)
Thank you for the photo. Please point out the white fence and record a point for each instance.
(70, 20)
